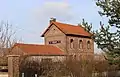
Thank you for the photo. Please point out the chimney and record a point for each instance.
(52, 19)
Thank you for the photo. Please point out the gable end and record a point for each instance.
(49, 28)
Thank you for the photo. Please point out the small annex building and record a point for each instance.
(40, 51)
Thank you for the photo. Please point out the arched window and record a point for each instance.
(80, 44)
(71, 43)
(88, 45)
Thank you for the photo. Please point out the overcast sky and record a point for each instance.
(31, 17)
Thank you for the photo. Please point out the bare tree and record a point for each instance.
(6, 35)
(7, 39)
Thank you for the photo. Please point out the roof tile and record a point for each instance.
(70, 29)
(39, 49)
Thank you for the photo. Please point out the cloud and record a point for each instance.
(59, 10)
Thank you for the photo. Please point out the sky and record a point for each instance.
(31, 17)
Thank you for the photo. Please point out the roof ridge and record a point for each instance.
(66, 24)
(73, 25)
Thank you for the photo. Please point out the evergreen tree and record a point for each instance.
(110, 9)
(109, 41)
(86, 26)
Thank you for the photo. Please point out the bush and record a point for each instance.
(69, 67)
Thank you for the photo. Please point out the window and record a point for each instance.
(54, 42)
(59, 41)
(88, 45)
(80, 44)
(71, 43)
(50, 42)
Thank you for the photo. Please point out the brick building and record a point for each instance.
(60, 40)
(71, 39)
(66, 38)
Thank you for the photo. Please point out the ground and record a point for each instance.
(5, 74)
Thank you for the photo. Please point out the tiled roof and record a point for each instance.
(69, 29)
(39, 49)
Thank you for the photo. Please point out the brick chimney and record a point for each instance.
(52, 19)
